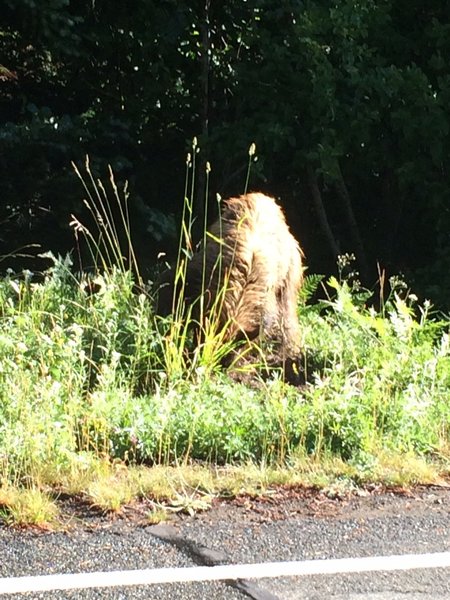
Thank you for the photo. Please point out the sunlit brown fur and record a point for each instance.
(260, 264)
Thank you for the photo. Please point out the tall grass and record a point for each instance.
(88, 373)
(195, 342)
(111, 244)
(85, 373)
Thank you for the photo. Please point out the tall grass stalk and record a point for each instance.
(106, 247)
(210, 344)
(205, 237)
(184, 240)
(195, 150)
(251, 154)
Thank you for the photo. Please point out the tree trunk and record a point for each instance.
(321, 213)
(360, 252)
(205, 70)
(393, 204)
(204, 112)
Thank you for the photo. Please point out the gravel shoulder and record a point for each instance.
(288, 524)
(297, 527)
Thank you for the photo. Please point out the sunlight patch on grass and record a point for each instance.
(406, 470)
(30, 507)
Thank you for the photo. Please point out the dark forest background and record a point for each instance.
(348, 104)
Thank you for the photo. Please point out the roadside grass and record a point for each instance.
(101, 398)
(29, 506)
(88, 408)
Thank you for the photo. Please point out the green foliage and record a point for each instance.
(356, 92)
(83, 374)
(385, 376)
(63, 351)
(214, 420)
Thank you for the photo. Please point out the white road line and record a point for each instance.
(42, 583)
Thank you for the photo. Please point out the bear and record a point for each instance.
(246, 280)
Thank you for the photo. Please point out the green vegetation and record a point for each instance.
(347, 103)
(95, 388)
(84, 384)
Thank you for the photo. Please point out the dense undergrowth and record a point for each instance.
(92, 382)
(83, 376)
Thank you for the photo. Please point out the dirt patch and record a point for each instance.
(281, 503)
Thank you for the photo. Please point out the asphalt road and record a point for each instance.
(288, 525)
